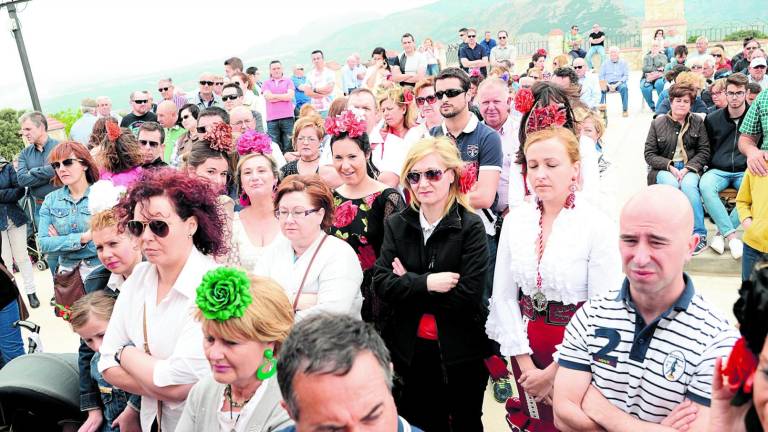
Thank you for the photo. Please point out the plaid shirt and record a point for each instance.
(757, 119)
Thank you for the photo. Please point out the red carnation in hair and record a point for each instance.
(219, 137)
(740, 369)
(542, 51)
(524, 100)
(468, 177)
(113, 130)
(407, 95)
(546, 117)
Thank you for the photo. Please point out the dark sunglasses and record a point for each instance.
(471, 36)
(451, 93)
(502, 37)
(228, 97)
(158, 227)
(751, 48)
(141, 101)
(431, 99)
(579, 67)
(152, 144)
(433, 175)
(66, 162)
(201, 129)
(207, 83)
(162, 89)
(219, 83)
(717, 55)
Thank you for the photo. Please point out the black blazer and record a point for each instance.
(458, 245)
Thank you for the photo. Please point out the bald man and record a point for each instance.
(242, 120)
(168, 117)
(641, 358)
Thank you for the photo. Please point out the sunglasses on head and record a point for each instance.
(228, 97)
(206, 83)
(451, 93)
(141, 101)
(152, 144)
(431, 99)
(433, 175)
(158, 227)
(65, 162)
(162, 89)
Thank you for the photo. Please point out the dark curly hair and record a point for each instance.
(190, 196)
(365, 146)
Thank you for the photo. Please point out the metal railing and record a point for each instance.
(718, 34)
(523, 46)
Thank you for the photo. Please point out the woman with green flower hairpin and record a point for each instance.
(245, 319)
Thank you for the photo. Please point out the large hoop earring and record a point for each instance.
(269, 368)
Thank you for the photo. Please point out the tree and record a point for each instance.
(68, 117)
(10, 139)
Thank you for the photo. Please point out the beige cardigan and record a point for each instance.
(201, 409)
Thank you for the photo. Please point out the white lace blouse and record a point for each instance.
(249, 254)
(581, 259)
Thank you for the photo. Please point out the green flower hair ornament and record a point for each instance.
(224, 293)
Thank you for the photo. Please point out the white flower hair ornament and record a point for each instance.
(103, 196)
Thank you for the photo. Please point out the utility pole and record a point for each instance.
(16, 30)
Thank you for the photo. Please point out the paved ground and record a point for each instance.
(624, 149)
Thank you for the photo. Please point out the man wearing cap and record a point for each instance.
(82, 128)
(757, 72)
(299, 79)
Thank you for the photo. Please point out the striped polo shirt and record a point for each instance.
(648, 369)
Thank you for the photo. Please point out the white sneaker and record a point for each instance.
(736, 247)
(718, 244)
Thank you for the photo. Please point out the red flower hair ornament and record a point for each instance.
(468, 177)
(740, 368)
(254, 142)
(219, 137)
(113, 130)
(407, 95)
(350, 121)
(524, 100)
(550, 116)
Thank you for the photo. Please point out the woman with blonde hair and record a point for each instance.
(431, 272)
(397, 110)
(554, 253)
(245, 320)
(308, 134)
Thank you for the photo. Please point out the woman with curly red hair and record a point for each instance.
(153, 346)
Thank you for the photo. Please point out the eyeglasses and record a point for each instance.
(471, 36)
(206, 83)
(158, 227)
(502, 37)
(735, 94)
(451, 93)
(201, 129)
(431, 99)
(751, 48)
(297, 213)
(226, 98)
(162, 89)
(697, 67)
(433, 175)
(579, 67)
(66, 162)
(152, 144)
(140, 101)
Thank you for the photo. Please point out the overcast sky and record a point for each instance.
(73, 41)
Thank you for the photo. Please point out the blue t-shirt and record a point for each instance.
(299, 95)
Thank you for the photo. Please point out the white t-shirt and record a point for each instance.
(317, 79)
(414, 63)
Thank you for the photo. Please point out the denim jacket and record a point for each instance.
(70, 219)
(114, 399)
(10, 194)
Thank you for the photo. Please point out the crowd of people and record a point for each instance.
(282, 255)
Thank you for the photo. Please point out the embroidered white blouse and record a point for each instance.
(248, 253)
(581, 259)
(175, 337)
(335, 275)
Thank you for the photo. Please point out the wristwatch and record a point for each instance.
(119, 352)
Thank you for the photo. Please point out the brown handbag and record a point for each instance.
(67, 288)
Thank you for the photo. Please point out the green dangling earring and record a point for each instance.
(269, 367)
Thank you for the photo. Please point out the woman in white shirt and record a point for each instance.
(319, 272)
(153, 346)
(555, 252)
(428, 112)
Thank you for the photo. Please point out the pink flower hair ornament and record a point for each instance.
(254, 142)
(349, 122)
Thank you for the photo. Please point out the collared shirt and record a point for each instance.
(471, 54)
(754, 123)
(647, 369)
(179, 100)
(82, 128)
(203, 104)
(511, 184)
(172, 135)
(349, 79)
(499, 53)
(175, 337)
(426, 227)
(277, 110)
(298, 96)
(590, 90)
(613, 72)
(34, 170)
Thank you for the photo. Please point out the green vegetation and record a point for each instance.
(10, 141)
(742, 34)
(692, 39)
(68, 117)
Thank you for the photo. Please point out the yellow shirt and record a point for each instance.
(752, 201)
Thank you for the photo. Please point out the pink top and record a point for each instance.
(125, 178)
(278, 109)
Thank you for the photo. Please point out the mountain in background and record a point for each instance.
(346, 34)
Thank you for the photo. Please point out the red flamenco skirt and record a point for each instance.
(545, 332)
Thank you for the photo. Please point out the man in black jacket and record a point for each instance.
(727, 164)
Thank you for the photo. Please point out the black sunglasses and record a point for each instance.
(201, 129)
(502, 37)
(433, 175)
(152, 144)
(228, 97)
(207, 83)
(717, 55)
(65, 162)
(162, 89)
(158, 227)
(451, 93)
(579, 67)
(431, 99)
(471, 36)
(140, 101)
(219, 83)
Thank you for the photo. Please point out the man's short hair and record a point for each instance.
(747, 40)
(737, 79)
(360, 90)
(234, 86)
(457, 73)
(327, 344)
(317, 51)
(681, 50)
(702, 39)
(170, 81)
(234, 63)
(567, 71)
(502, 31)
(36, 117)
(753, 88)
(574, 26)
(214, 111)
(153, 127)
(463, 30)
(708, 60)
(408, 35)
(274, 61)
(614, 48)
(251, 70)
(471, 29)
